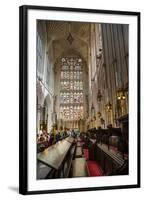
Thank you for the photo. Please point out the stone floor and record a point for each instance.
(79, 167)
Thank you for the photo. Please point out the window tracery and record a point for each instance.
(71, 91)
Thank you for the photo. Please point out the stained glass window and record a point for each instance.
(71, 92)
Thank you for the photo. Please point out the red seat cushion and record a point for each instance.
(94, 169)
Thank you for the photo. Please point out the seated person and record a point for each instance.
(51, 140)
(57, 136)
(42, 138)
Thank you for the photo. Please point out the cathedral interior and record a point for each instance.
(82, 99)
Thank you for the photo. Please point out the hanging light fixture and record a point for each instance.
(99, 96)
(92, 110)
(109, 106)
(94, 118)
(70, 38)
(99, 114)
(121, 94)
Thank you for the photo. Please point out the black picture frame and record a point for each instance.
(23, 97)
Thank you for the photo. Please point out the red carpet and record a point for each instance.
(94, 169)
(114, 148)
(86, 153)
(82, 143)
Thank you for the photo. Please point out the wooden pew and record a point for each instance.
(112, 137)
(44, 171)
(68, 163)
(101, 155)
(58, 157)
(110, 161)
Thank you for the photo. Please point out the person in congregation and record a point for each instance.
(64, 133)
(42, 138)
(73, 133)
(51, 140)
(57, 136)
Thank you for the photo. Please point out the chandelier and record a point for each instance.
(70, 38)
(109, 107)
(99, 96)
(121, 94)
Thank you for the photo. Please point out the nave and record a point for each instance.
(82, 125)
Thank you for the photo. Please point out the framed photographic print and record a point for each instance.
(79, 99)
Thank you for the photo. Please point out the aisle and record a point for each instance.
(79, 168)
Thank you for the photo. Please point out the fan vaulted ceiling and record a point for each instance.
(58, 33)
